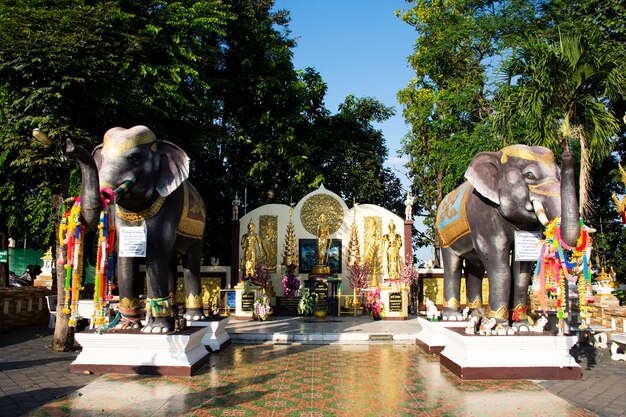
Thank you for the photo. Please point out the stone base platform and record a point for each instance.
(528, 356)
(432, 339)
(216, 335)
(133, 352)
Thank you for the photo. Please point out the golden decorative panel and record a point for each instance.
(318, 204)
(433, 289)
(372, 239)
(268, 232)
(209, 286)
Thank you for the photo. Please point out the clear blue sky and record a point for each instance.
(359, 47)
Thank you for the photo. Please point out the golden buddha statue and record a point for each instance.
(392, 243)
(250, 243)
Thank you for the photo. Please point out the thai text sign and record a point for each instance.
(527, 245)
(132, 243)
(395, 301)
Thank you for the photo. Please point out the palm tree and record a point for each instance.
(557, 92)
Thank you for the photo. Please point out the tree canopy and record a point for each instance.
(215, 77)
(491, 73)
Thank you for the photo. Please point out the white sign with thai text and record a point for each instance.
(527, 246)
(132, 242)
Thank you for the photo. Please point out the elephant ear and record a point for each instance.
(97, 155)
(173, 168)
(483, 174)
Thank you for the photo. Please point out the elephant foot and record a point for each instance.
(194, 314)
(503, 329)
(451, 314)
(158, 325)
(522, 326)
(127, 324)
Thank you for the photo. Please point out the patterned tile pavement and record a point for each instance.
(282, 379)
(312, 380)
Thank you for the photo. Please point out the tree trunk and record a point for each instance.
(437, 243)
(63, 340)
(570, 226)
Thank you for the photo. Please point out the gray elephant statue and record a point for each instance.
(149, 177)
(517, 188)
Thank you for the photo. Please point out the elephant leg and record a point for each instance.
(499, 273)
(159, 302)
(129, 290)
(451, 285)
(474, 285)
(521, 281)
(193, 291)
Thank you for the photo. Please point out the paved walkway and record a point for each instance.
(388, 377)
(32, 375)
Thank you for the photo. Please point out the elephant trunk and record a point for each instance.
(570, 226)
(90, 186)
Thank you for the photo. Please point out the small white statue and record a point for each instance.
(408, 211)
(487, 325)
(465, 313)
(236, 202)
(472, 323)
(431, 310)
(540, 324)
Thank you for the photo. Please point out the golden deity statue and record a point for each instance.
(323, 240)
(323, 246)
(250, 242)
(392, 243)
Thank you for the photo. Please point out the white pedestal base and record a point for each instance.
(529, 356)
(432, 339)
(133, 352)
(216, 335)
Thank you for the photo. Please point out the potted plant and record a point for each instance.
(374, 306)
(261, 277)
(261, 308)
(306, 305)
(291, 283)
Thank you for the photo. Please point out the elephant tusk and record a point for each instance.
(121, 190)
(540, 212)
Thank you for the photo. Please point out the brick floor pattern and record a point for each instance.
(306, 380)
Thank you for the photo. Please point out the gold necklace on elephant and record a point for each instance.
(132, 217)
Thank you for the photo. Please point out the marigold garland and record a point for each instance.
(559, 263)
(71, 241)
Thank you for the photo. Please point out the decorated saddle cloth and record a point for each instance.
(451, 216)
(193, 218)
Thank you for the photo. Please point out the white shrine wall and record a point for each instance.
(343, 232)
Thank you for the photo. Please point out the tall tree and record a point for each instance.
(558, 90)
(447, 103)
(215, 77)
(354, 165)
(71, 68)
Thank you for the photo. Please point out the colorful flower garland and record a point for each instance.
(105, 259)
(559, 262)
(71, 242)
